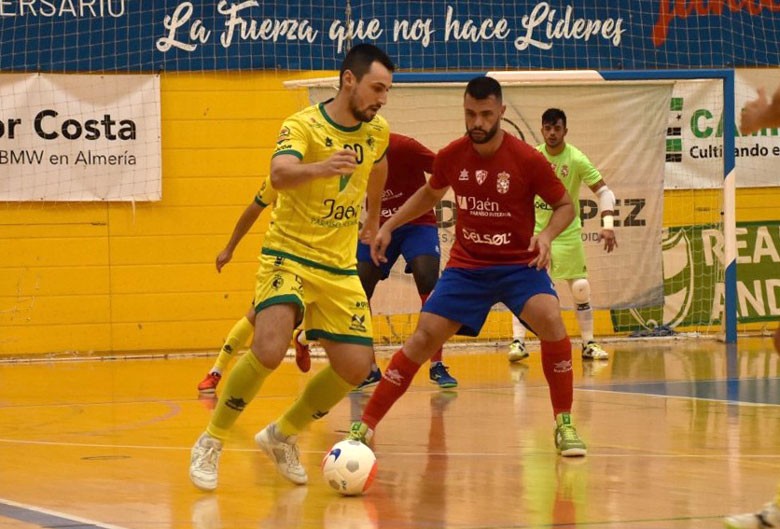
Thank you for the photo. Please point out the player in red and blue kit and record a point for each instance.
(496, 257)
(418, 240)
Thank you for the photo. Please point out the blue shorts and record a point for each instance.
(410, 240)
(466, 295)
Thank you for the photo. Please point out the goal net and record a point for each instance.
(668, 267)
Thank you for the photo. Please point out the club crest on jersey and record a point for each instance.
(502, 182)
(565, 171)
(481, 175)
(328, 142)
(464, 176)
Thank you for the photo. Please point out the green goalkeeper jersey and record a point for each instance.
(573, 168)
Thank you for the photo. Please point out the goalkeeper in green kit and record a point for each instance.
(568, 253)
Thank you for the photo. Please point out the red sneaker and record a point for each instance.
(209, 384)
(302, 355)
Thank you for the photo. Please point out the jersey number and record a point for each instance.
(358, 150)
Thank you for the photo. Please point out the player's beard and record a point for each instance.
(364, 115)
(488, 135)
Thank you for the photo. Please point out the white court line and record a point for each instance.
(389, 454)
(46, 517)
(682, 397)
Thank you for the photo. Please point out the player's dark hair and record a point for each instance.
(483, 87)
(361, 57)
(552, 115)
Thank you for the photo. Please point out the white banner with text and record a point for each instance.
(80, 137)
(621, 128)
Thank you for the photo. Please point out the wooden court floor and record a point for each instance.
(680, 434)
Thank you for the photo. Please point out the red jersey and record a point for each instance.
(495, 198)
(407, 162)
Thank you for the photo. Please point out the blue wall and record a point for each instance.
(130, 35)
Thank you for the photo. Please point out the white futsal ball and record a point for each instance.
(349, 467)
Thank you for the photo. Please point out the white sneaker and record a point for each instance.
(593, 351)
(204, 461)
(517, 351)
(768, 518)
(284, 452)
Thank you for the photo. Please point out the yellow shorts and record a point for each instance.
(334, 306)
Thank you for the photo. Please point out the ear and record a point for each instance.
(348, 79)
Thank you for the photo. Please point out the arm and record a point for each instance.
(607, 206)
(287, 170)
(563, 214)
(423, 200)
(760, 113)
(244, 223)
(376, 185)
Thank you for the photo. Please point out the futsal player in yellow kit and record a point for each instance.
(328, 158)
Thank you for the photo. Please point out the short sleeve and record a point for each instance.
(293, 139)
(266, 195)
(438, 179)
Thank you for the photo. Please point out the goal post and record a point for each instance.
(621, 120)
(729, 221)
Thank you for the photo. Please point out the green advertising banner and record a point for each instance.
(693, 278)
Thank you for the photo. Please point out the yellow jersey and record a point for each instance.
(316, 224)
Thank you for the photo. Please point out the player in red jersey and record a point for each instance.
(496, 257)
(418, 240)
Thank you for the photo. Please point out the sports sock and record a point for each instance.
(438, 354)
(518, 329)
(584, 315)
(556, 363)
(238, 336)
(324, 390)
(241, 386)
(395, 381)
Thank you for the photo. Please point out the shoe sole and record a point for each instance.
(207, 391)
(514, 360)
(446, 385)
(574, 452)
(584, 357)
(200, 486)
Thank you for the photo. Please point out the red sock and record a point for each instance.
(437, 355)
(395, 381)
(556, 362)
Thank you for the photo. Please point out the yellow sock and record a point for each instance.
(238, 336)
(325, 390)
(240, 388)
(777, 498)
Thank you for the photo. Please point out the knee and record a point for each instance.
(550, 327)
(269, 353)
(421, 345)
(268, 361)
(580, 293)
(426, 283)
